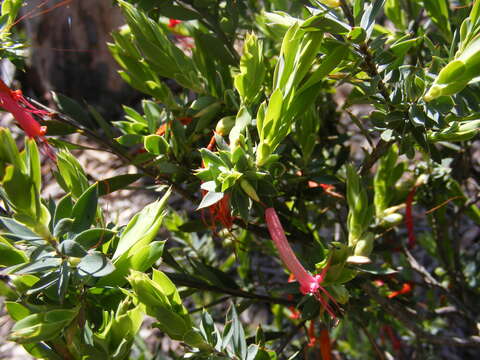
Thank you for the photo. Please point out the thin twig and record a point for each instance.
(213, 303)
(409, 320)
(196, 284)
(290, 337)
(430, 280)
(377, 152)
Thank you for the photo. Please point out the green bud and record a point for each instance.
(457, 73)
(458, 131)
(201, 103)
(391, 220)
(148, 292)
(74, 261)
(249, 190)
(357, 35)
(364, 246)
(338, 253)
(224, 125)
(263, 154)
(331, 3)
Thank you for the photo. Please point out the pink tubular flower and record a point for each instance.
(409, 218)
(308, 284)
(14, 102)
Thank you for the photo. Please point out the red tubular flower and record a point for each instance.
(14, 102)
(308, 284)
(325, 344)
(323, 340)
(328, 188)
(406, 288)
(396, 343)
(173, 22)
(163, 128)
(311, 334)
(409, 218)
(220, 211)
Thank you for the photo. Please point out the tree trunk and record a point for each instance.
(68, 52)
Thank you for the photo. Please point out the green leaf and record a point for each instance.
(22, 193)
(73, 177)
(178, 12)
(252, 70)
(438, 12)
(153, 114)
(16, 311)
(328, 63)
(63, 209)
(119, 182)
(242, 120)
(33, 163)
(71, 248)
(85, 209)
(375, 269)
(130, 139)
(141, 260)
(106, 127)
(9, 151)
(63, 280)
(62, 227)
(95, 264)
(394, 11)
(40, 265)
(209, 199)
(142, 228)
(210, 158)
(59, 128)
(209, 331)
(369, 15)
(17, 230)
(168, 288)
(93, 237)
(235, 333)
(326, 23)
(159, 52)
(9, 255)
(156, 144)
(42, 327)
(73, 109)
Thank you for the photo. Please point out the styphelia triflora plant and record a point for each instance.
(334, 116)
(309, 284)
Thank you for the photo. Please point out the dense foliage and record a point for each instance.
(332, 140)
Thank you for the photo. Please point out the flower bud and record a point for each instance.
(224, 125)
(391, 220)
(249, 190)
(364, 246)
(331, 3)
(263, 153)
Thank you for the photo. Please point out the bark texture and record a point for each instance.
(69, 52)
